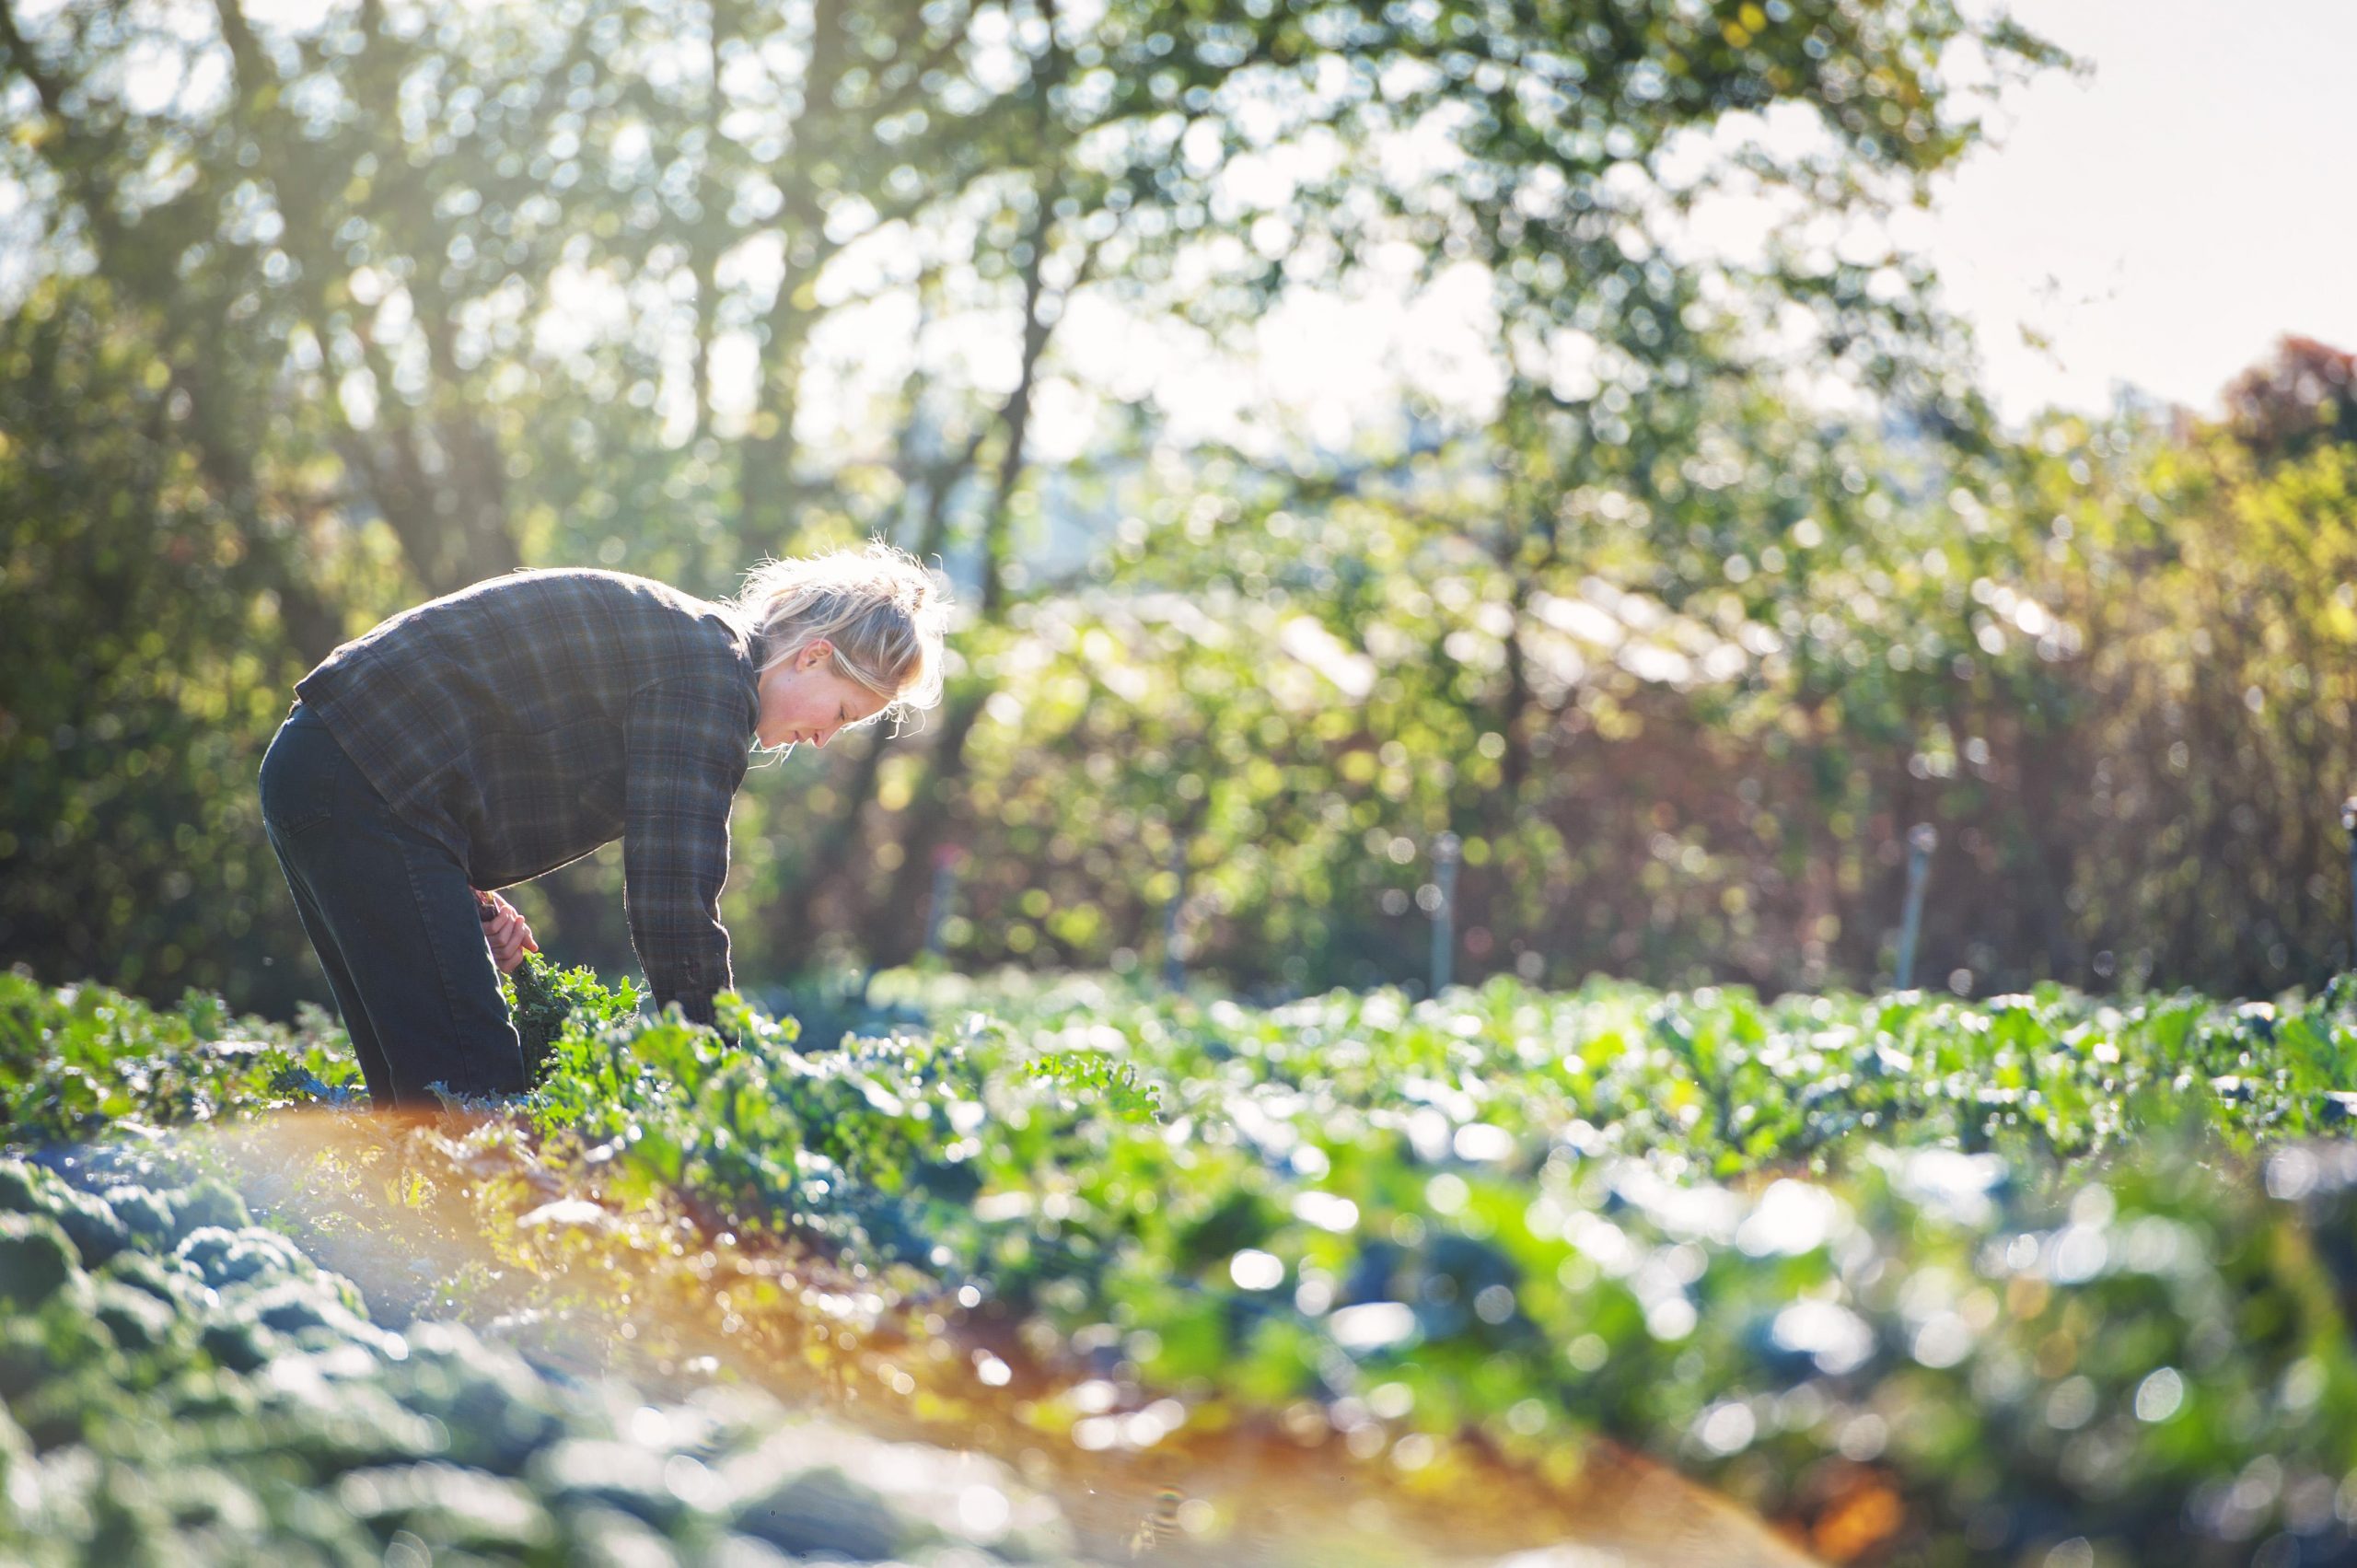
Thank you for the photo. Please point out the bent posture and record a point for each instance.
(511, 727)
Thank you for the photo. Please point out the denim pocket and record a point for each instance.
(298, 776)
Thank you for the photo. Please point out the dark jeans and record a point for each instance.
(392, 916)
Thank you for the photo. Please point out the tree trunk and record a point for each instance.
(891, 932)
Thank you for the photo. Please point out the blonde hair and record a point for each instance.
(879, 607)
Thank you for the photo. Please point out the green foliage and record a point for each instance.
(36, 1261)
(1678, 655)
(145, 668)
(1494, 1213)
(2214, 710)
(83, 1060)
(218, 1397)
(1097, 1075)
(307, 333)
(1683, 721)
(543, 1000)
(2026, 1270)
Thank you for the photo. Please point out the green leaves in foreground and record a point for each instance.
(2006, 1273)
(81, 1060)
(1930, 1281)
(194, 1389)
(542, 999)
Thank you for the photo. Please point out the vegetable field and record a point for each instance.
(1063, 1271)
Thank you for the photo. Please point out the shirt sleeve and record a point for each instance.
(685, 756)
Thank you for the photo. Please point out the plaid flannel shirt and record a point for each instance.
(530, 719)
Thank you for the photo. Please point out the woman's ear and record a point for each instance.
(814, 653)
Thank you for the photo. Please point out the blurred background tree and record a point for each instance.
(1679, 593)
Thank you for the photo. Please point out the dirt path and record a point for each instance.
(470, 1228)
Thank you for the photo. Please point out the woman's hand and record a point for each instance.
(509, 936)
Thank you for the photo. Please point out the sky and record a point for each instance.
(2164, 220)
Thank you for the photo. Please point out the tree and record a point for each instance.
(2305, 395)
(440, 289)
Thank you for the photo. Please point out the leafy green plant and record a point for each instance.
(202, 1391)
(2023, 1270)
(543, 999)
(1094, 1074)
(81, 1060)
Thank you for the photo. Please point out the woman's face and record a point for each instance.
(805, 698)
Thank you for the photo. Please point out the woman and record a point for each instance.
(513, 727)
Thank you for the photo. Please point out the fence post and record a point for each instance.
(945, 861)
(1174, 967)
(2348, 826)
(1921, 840)
(1447, 849)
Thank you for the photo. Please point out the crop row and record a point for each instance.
(2068, 1276)
(1930, 1282)
(177, 1384)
